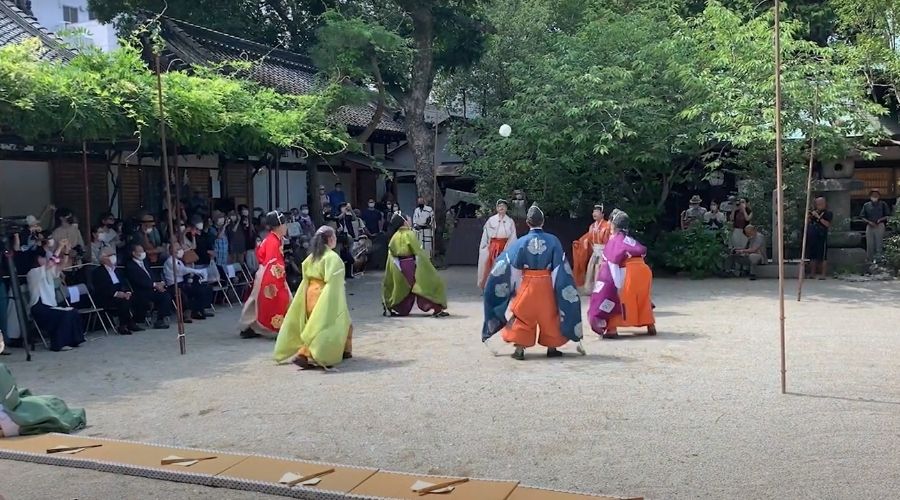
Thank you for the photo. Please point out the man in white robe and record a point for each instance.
(423, 223)
(498, 234)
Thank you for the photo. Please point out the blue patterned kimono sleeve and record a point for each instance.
(498, 291)
(567, 299)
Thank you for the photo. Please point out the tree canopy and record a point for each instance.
(619, 104)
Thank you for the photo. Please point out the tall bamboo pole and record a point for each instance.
(86, 223)
(182, 343)
(809, 176)
(779, 190)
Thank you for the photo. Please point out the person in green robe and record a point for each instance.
(409, 276)
(316, 330)
(24, 414)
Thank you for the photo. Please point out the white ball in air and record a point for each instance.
(505, 130)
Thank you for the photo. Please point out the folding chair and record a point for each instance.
(236, 278)
(26, 296)
(93, 312)
(219, 287)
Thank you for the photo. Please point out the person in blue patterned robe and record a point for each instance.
(530, 293)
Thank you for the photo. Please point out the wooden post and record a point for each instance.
(809, 176)
(182, 342)
(779, 186)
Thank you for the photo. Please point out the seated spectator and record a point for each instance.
(68, 230)
(97, 244)
(714, 218)
(147, 289)
(111, 294)
(62, 326)
(191, 283)
(753, 255)
(148, 237)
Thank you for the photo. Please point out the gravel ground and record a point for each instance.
(695, 412)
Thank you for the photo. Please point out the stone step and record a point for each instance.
(770, 270)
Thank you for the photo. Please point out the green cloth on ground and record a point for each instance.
(428, 284)
(37, 414)
(325, 331)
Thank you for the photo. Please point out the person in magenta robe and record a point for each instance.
(622, 292)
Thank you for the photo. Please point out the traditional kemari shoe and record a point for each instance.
(302, 362)
(554, 353)
(519, 354)
(651, 330)
(440, 314)
(347, 355)
(611, 335)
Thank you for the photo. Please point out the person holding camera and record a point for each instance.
(818, 223)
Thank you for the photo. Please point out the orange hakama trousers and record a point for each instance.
(313, 292)
(535, 316)
(495, 247)
(637, 308)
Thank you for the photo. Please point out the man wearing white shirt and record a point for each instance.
(423, 223)
(147, 289)
(196, 292)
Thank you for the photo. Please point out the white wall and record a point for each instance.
(50, 14)
(292, 186)
(24, 187)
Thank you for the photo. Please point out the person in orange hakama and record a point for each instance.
(270, 298)
(622, 294)
(587, 251)
(498, 234)
(530, 295)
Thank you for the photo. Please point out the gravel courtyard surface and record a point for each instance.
(695, 412)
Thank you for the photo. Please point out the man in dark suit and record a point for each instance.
(147, 289)
(111, 294)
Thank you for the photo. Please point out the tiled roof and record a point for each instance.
(17, 26)
(282, 70)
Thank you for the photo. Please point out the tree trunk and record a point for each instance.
(312, 188)
(419, 134)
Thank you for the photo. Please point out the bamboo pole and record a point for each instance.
(86, 223)
(809, 176)
(182, 342)
(779, 191)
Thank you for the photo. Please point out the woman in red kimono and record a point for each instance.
(269, 301)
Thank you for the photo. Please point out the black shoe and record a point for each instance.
(160, 325)
(440, 314)
(347, 355)
(554, 353)
(135, 328)
(124, 331)
(752, 277)
(519, 354)
(208, 313)
(249, 334)
(198, 315)
(186, 320)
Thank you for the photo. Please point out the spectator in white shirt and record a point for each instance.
(196, 292)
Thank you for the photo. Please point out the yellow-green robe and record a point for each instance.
(428, 283)
(325, 331)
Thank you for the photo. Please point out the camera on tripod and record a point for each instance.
(8, 229)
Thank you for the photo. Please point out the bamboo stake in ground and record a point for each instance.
(809, 176)
(779, 190)
(182, 343)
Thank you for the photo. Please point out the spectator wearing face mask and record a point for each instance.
(148, 289)
(221, 244)
(307, 226)
(97, 244)
(373, 219)
(111, 294)
(323, 197)
(147, 236)
(876, 213)
(197, 294)
(204, 242)
(68, 230)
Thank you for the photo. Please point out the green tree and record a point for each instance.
(289, 24)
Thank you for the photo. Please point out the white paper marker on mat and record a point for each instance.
(290, 477)
(421, 485)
